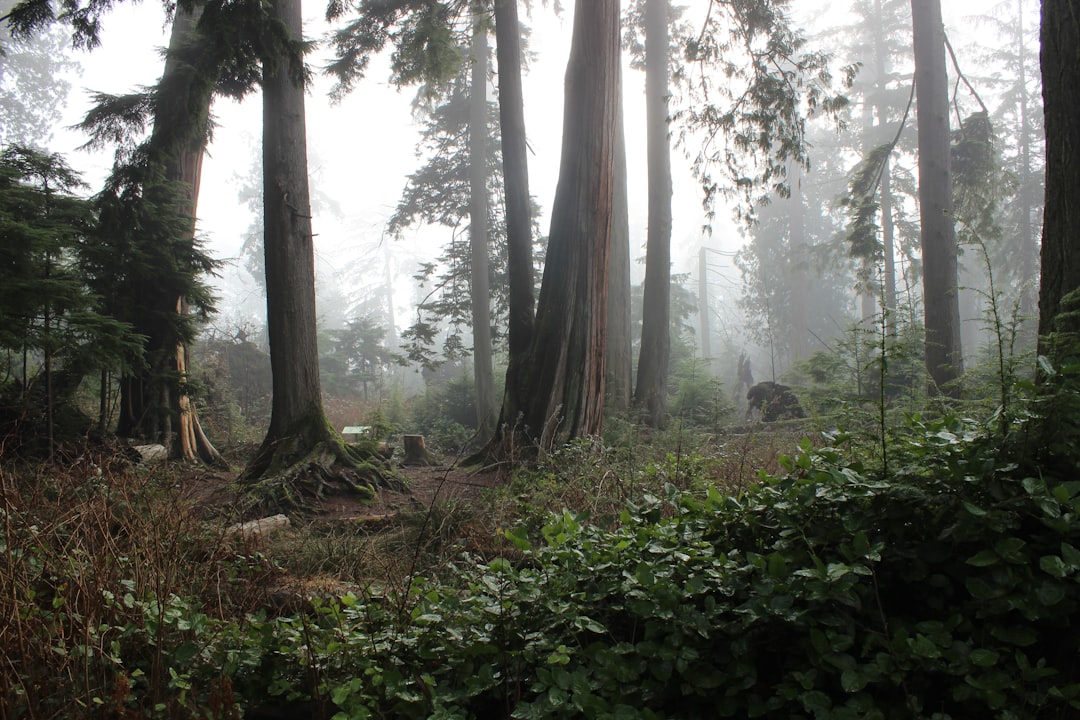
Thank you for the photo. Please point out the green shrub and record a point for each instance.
(947, 591)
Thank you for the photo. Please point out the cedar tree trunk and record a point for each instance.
(563, 384)
(1060, 60)
(302, 455)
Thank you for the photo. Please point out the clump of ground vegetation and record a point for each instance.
(931, 573)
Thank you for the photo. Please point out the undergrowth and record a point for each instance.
(686, 585)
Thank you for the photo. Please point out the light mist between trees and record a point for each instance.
(746, 94)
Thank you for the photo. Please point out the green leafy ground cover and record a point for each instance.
(946, 589)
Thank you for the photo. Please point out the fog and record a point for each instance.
(360, 153)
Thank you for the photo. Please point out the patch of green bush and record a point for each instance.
(949, 590)
(946, 587)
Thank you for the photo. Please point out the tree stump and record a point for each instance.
(415, 451)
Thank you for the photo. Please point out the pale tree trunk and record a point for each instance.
(704, 306)
(799, 259)
(620, 362)
(652, 375)
(1060, 60)
(1028, 241)
(941, 306)
(888, 241)
(301, 454)
(483, 373)
(888, 230)
(564, 380)
(518, 209)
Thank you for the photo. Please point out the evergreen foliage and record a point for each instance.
(53, 313)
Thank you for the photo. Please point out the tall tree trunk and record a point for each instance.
(483, 374)
(301, 454)
(1060, 257)
(153, 398)
(941, 306)
(518, 209)
(564, 380)
(652, 375)
(620, 363)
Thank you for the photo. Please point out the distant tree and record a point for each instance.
(1018, 126)
(479, 205)
(356, 358)
(876, 198)
(301, 454)
(457, 188)
(652, 375)
(619, 361)
(941, 304)
(33, 88)
(1059, 317)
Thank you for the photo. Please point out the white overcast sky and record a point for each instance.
(361, 150)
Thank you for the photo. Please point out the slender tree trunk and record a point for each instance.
(1060, 60)
(518, 209)
(483, 374)
(944, 359)
(799, 259)
(652, 375)
(620, 363)
(564, 381)
(888, 241)
(704, 306)
(888, 230)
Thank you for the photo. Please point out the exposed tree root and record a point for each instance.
(292, 475)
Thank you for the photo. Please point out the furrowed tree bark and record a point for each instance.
(564, 382)
(653, 361)
(487, 411)
(941, 305)
(1060, 254)
(301, 455)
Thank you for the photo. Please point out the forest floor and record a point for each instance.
(212, 489)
